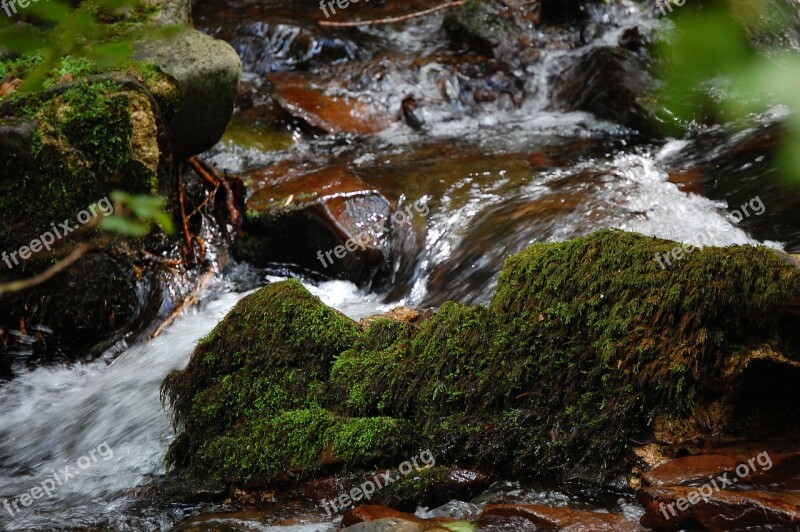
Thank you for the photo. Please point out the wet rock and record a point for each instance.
(608, 82)
(410, 115)
(97, 136)
(478, 25)
(92, 299)
(370, 517)
(434, 487)
(495, 387)
(489, 81)
(737, 166)
(206, 72)
(389, 524)
(372, 512)
(690, 468)
(339, 225)
(558, 11)
(330, 114)
(267, 47)
(733, 486)
(723, 510)
(551, 518)
(632, 39)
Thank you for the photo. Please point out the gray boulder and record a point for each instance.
(206, 71)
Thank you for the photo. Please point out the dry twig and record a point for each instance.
(75, 256)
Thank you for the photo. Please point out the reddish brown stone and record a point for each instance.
(723, 510)
(373, 512)
(551, 518)
(688, 468)
(331, 114)
(688, 181)
(297, 217)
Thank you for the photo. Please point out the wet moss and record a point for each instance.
(81, 150)
(371, 440)
(584, 344)
(267, 448)
(616, 340)
(266, 359)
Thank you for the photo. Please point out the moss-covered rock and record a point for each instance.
(588, 346)
(90, 130)
(63, 149)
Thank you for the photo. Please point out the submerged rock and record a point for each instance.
(587, 346)
(330, 114)
(739, 487)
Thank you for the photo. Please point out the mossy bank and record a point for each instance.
(587, 347)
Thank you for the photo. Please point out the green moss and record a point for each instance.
(379, 356)
(615, 340)
(79, 153)
(267, 448)
(266, 358)
(371, 440)
(584, 344)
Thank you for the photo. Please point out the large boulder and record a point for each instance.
(70, 146)
(587, 346)
(89, 132)
(206, 72)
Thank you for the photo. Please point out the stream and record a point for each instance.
(496, 178)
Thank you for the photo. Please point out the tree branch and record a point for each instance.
(48, 274)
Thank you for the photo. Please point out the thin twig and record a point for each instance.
(390, 20)
(187, 234)
(48, 274)
(211, 175)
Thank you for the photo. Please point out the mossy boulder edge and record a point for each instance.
(587, 348)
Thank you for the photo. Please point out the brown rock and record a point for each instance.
(723, 510)
(551, 518)
(372, 512)
(294, 217)
(402, 314)
(689, 468)
(331, 114)
(390, 524)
